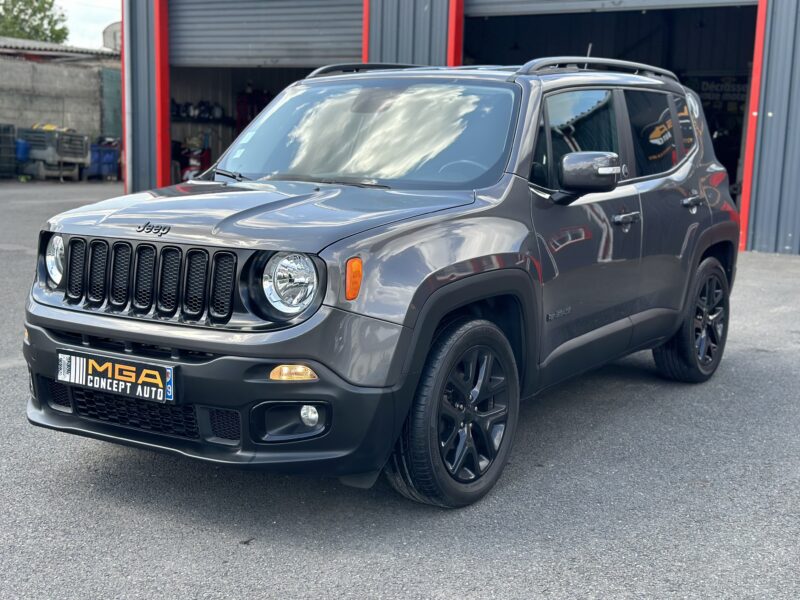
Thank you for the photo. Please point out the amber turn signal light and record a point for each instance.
(292, 373)
(353, 273)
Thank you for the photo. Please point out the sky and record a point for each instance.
(86, 20)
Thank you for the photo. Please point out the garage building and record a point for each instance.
(197, 71)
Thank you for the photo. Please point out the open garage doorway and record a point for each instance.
(209, 107)
(710, 49)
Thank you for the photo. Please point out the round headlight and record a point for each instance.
(290, 282)
(54, 259)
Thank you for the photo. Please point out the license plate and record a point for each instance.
(130, 378)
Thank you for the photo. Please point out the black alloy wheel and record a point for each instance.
(473, 411)
(709, 320)
(695, 351)
(460, 430)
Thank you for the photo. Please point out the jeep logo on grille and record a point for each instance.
(158, 230)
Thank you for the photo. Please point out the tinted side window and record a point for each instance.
(653, 136)
(688, 136)
(581, 121)
(540, 166)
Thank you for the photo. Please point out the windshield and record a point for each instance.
(394, 132)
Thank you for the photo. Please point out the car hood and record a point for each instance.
(305, 217)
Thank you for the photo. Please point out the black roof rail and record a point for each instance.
(538, 65)
(357, 68)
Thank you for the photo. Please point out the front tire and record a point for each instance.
(693, 354)
(458, 435)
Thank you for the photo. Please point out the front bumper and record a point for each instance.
(358, 437)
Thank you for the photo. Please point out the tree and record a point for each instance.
(37, 20)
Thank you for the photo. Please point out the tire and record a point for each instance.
(454, 446)
(693, 354)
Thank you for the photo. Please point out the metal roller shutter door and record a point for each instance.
(494, 8)
(264, 33)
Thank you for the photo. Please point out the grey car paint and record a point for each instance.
(429, 252)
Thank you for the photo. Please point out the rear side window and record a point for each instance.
(581, 121)
(652, 130)
(688, 135)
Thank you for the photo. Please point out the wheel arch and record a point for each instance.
(505, 297)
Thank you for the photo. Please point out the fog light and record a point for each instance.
(26, 335)
(292, 373)
(309, 415)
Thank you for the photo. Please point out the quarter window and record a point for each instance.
(652, 131)
(581, 121)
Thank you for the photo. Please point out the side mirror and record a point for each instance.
(586, 173)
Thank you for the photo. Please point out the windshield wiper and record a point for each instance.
(231, 174)
(355, 182)
(325, 180)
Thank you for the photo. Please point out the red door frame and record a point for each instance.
(752, 123)
(365, 32)
(455, 33)
(162, 95)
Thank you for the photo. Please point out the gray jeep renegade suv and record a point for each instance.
(384, 264)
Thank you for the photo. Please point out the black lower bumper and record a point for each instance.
(357, 436)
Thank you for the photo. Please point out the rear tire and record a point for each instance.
(693, 354)
(459, 432)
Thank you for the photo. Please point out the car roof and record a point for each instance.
(557, 76)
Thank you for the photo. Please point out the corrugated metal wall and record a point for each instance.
(489, 8)
(408, 31)
(264, 33)
(775, 204)
(140, 117)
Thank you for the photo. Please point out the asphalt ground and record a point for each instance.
(620, 484)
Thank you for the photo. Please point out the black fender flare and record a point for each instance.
(726, 231)
(457, 294)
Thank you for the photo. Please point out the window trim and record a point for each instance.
(623, 138)
(674, 98)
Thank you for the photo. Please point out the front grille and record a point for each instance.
(169, 280)
(165, 419)
(120, 275)
(189, 284)
(223, 283)
(76, 265)
(98, 266)
(225, 424)
(145, 278)
(194, 296)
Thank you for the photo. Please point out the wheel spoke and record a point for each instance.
(481, 389)
(485, 424)
(447, 409)
(462, 451)
(451, 438)
(461, 386)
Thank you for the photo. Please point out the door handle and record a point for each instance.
(626, 218)
(692, 201)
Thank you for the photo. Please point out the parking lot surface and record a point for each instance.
(620, 484)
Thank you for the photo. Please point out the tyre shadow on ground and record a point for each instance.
(254, 504)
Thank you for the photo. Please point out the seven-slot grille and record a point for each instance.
(146, 280)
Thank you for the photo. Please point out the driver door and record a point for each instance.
(591, 249)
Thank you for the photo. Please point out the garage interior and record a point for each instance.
(210, 106)
(710, 49)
